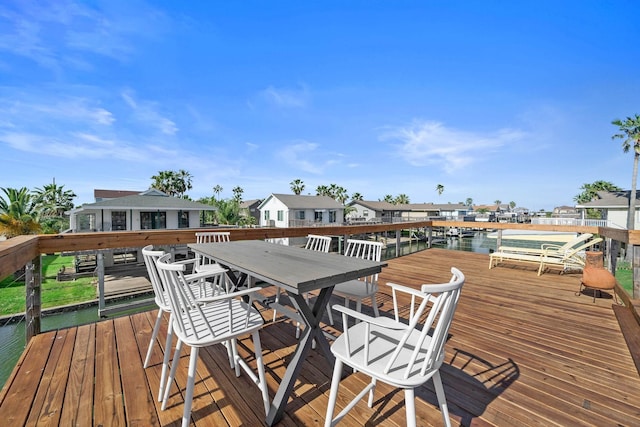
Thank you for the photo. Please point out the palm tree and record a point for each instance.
(173, 183)
(18, 215)
(440, 189)
(228, 212)
(401, 199)
(297, 186)
(237, 193)
(217, 189)
(388, 198)
(322, 190)
(512, 205)
(498, 202)
(356, 196)
(53, 200)
(630, 135)
(469, 202)
(340, 194)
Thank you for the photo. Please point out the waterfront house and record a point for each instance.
(148, 210)
(613, 206)
(290, 210)
(372, 211)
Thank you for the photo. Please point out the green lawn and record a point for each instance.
(54, 293)
(624, 274)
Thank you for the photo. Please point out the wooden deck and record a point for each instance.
(524, 350)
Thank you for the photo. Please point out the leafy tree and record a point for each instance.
(237, 193)
(174, 183)
(18, 214)
(512, 205)
(630, 135)
(498, 202)
(297, 186)
(401, 199)
(228, 211)
(469, 202)
(440, 189)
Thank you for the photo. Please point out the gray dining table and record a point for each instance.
(297, 271)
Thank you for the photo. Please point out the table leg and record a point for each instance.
(311, 317)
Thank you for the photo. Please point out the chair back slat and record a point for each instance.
(210, 237)
(368, 250)
(443, 300)
(150, 257)
(318, 243)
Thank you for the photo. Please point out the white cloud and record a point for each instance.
(286, 98)
(147, 112)
(426, 143)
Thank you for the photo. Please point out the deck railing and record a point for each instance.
(24, 251)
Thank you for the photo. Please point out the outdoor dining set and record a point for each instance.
(211, 299)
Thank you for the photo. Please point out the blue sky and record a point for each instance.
(494, 100)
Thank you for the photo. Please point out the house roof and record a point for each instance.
(112, 194)
(379, 205)
(150, 199)
(610, 199)
(293, 201)
(246, 204)
(435, 207)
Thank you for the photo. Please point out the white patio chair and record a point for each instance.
(206, 321)
(365, 287)
(199, 285)
(207, 264)
(398, 353)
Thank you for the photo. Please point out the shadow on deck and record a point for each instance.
(523, 350)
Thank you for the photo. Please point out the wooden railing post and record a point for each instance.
(33, 286)
(399, 241)
(636, 271)
(100, 267)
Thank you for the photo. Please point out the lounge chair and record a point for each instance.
(551, 255)
(545, 247)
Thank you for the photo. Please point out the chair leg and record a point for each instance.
(154, 335)
(262, 381)
(172, 374)
(374, 303)
(191, 379)
(165, 358)
(333, 394)
(410, 406)
(442, 400)
(277, 300)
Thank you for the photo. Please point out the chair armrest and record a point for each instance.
(202, 275)
(385, 322)
(405, 289)
(228, 296)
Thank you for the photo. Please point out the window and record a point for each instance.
(332, 216)
(118, 220)
(153, 220)
(300, 215)
(365, 213)
(183, 219)
(266, 215)
(318, 216)
(280, 215)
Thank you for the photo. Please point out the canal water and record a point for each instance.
(12, 335)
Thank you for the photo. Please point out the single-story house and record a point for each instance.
(421, 211)
(147, 210)
(372, 211)
(291, 210)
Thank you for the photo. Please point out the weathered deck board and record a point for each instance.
(523, 350)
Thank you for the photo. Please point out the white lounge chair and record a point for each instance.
(545, 247)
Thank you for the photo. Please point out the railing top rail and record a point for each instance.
(18, 251)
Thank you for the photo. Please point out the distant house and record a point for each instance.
(249, 208)
(565, 212)
(290, 210)
(614, 207)
(421, 211)
(147, 210)
(372, 211)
